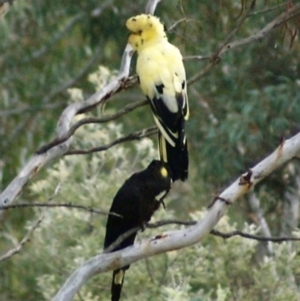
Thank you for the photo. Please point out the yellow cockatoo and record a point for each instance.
(162, 78)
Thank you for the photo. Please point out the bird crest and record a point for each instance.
(145, 30)
(144, 22)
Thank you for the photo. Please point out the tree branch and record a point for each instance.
(81, 122)
(215, 57)
(177, 239)
(277, 22)
(151, 6)
(269, 9)
(26, 239)
(254, 237)
(130, 137)
(52, 205)
(261, 221)
(225, 46)
(63, 126)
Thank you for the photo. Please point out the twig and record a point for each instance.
(197, 58)
(203, 72)
(133, 136)
(255, 237)
(235, 30)
(215, 57)
(67, 205)
(225, 46)
(268, 9)
(222, 234)
(26, 239)
(176, 23)
(81, 122)
(31, 108)
(277, 22)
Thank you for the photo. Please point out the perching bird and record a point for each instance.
(135, 202)
(161, 75)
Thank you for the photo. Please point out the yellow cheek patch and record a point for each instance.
(164, 172)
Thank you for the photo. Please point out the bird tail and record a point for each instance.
(117, 283)
(176, 156)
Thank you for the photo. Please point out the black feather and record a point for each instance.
(135, 202)
(170, 121)
(177, 157)
(160, 88)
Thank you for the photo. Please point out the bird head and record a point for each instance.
(144, 31)
(160, 170)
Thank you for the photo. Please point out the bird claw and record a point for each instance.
(161, 201)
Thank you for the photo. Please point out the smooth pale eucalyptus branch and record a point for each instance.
(255, 207)
(151, 6)
(177, 239)
(63, 126)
